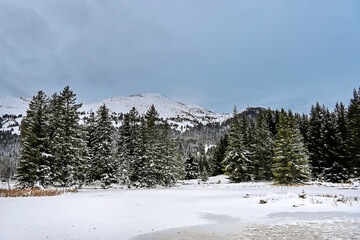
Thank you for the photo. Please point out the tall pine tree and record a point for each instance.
(218, 155)
(103, 164)
(130, 148)
(262, 150)
(314, 144)
(237, 164)
(290, 157)
(68, 143)
(34, 166)
(353, 142)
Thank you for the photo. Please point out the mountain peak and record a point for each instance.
(180, 116)
(148, 95)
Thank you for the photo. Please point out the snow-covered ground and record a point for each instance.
(216, 210)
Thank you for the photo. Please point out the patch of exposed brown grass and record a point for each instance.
(34, 192)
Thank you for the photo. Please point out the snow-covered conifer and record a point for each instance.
(130, 149)
(290, 155)
(67, 140)
(236, 163)
(262, 150)
(353, 143)
(34, 166)
(191, 168)
(103, 164)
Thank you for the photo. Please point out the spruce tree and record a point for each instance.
(342, 129)
(90, 145)
(314, 144)
(53, 134)
(353, 143)
(218, 155)
(236, 163)
(262, 150)
(103, 164)
(271, 121)
(68, 145)
(290, 157)
(151, 167)
(303, 122)
(34, 166)
(130, 148)
(147, 153)
(171, 165)
(191, 168)
(331, 148)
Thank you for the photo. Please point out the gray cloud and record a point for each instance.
(213, 53)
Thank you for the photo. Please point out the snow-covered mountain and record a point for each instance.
(12, 110)
(180, 116)
(12, 105)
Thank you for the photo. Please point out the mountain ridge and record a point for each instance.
(179, 115)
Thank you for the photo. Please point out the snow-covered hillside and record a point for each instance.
(180, 116)
(12, 105)
(12, 110)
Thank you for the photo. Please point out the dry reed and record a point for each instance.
(34, 192)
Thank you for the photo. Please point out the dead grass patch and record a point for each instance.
(34, 192)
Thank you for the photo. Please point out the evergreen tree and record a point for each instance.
(191, 168)
(171, 165)
(342, 129)
(314, 144)
(103, 164)
(203, 168)
(271, 121)
(262, 150)
(147, 153)
(353, 142)
(68, 145)
(90, 145)
(290, 158)
(218, 155)
(34, 166)
(303, 122)
(331, 148)
(53, 134)
(247, 130)
(236, 163)
(130, 148)
(150, 176)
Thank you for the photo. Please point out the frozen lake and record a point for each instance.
(214, 211)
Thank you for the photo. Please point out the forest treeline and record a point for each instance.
(57, 148)
(290, 148)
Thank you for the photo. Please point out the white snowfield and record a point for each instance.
(166, 107)
(216, 210)
(180, 116)
(12, 106)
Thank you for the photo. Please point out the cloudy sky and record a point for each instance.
(213, 53)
